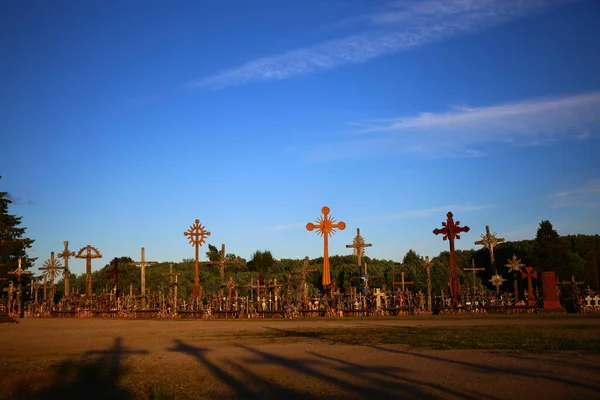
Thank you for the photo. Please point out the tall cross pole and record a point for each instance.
(326, 227)
(196, 234)
(451, 231)
(427, 265)
(19, 272)
(303, 275)
(514, 265)
(358, 245)
(222, 263)
(88, 252)
(490, 242)
(474, 270)
(51, 267)
(143, 264)
(528, 274)
(65, 255)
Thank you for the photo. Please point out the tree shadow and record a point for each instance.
(94, 375)
(514, 370)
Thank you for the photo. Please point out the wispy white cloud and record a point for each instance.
(403, 25)
(428, 212)
(586, 195)
(462, 131)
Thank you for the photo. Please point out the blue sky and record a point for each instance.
(122, 122)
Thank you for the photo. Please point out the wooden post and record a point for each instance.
(65, 255)
(222, 263)
(427, 265)
(88, 253)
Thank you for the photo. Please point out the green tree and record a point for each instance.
(262, 262)
(13, 242)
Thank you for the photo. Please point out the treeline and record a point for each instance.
(573, 255)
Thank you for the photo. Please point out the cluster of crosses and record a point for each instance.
(325, 227)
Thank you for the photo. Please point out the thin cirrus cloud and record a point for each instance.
(586, 195)
(428, 212)
(403, 25)
(462, 132)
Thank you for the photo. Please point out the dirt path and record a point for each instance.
(204, 359)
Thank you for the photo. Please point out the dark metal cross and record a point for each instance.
(115, 272)
(451, 231)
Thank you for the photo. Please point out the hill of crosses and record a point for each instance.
(499, 277)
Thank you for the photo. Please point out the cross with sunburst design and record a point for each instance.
(326, 227)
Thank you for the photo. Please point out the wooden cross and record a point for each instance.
(530, 273)
(304, 274)
(427, 265)
(88, 252)
(230, 285)
(489, 241)
(326, 227)
(115, 272)
(65, 255)
(497, 281)
(474, 270)
(403, 282)
(367, 279)
(173, 284)
(143, 264)
(514, 265)
(51, 266)
(573, 283)
(222, 262)
(359, 246)
(196, 234)
(451, 231)
(378, 295)
(19, 272)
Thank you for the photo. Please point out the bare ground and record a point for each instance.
(217, 359)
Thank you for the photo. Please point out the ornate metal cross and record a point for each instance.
(326, 227)
(358, 244)
(88, 252)
(65, 255)
(530, 273)
(474, 270)
(451, 231)
(514, 265)
(222, 263)
(196, 234)
(143, 264)
(51, 268)
(497, 281)
(490, 242)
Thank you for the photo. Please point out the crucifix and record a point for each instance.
(196, 234)
(115, 272)
(451, 231)
(88, 252)
(51, 266)
(222, 263)
(403, 282)
(530, 273)
(514, 265)
(359, 246)
(143, 264)
(65, 255)
(326, 227)
(19, 272)
(276, 291)
(497, 281)
(490, 241)
(427, 265)
(474, 270)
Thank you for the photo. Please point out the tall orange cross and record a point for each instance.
(326, 227)
(196, 234)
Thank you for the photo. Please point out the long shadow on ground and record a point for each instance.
(514, 370)
(93, 376)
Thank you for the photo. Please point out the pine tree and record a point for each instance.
(13, 243)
